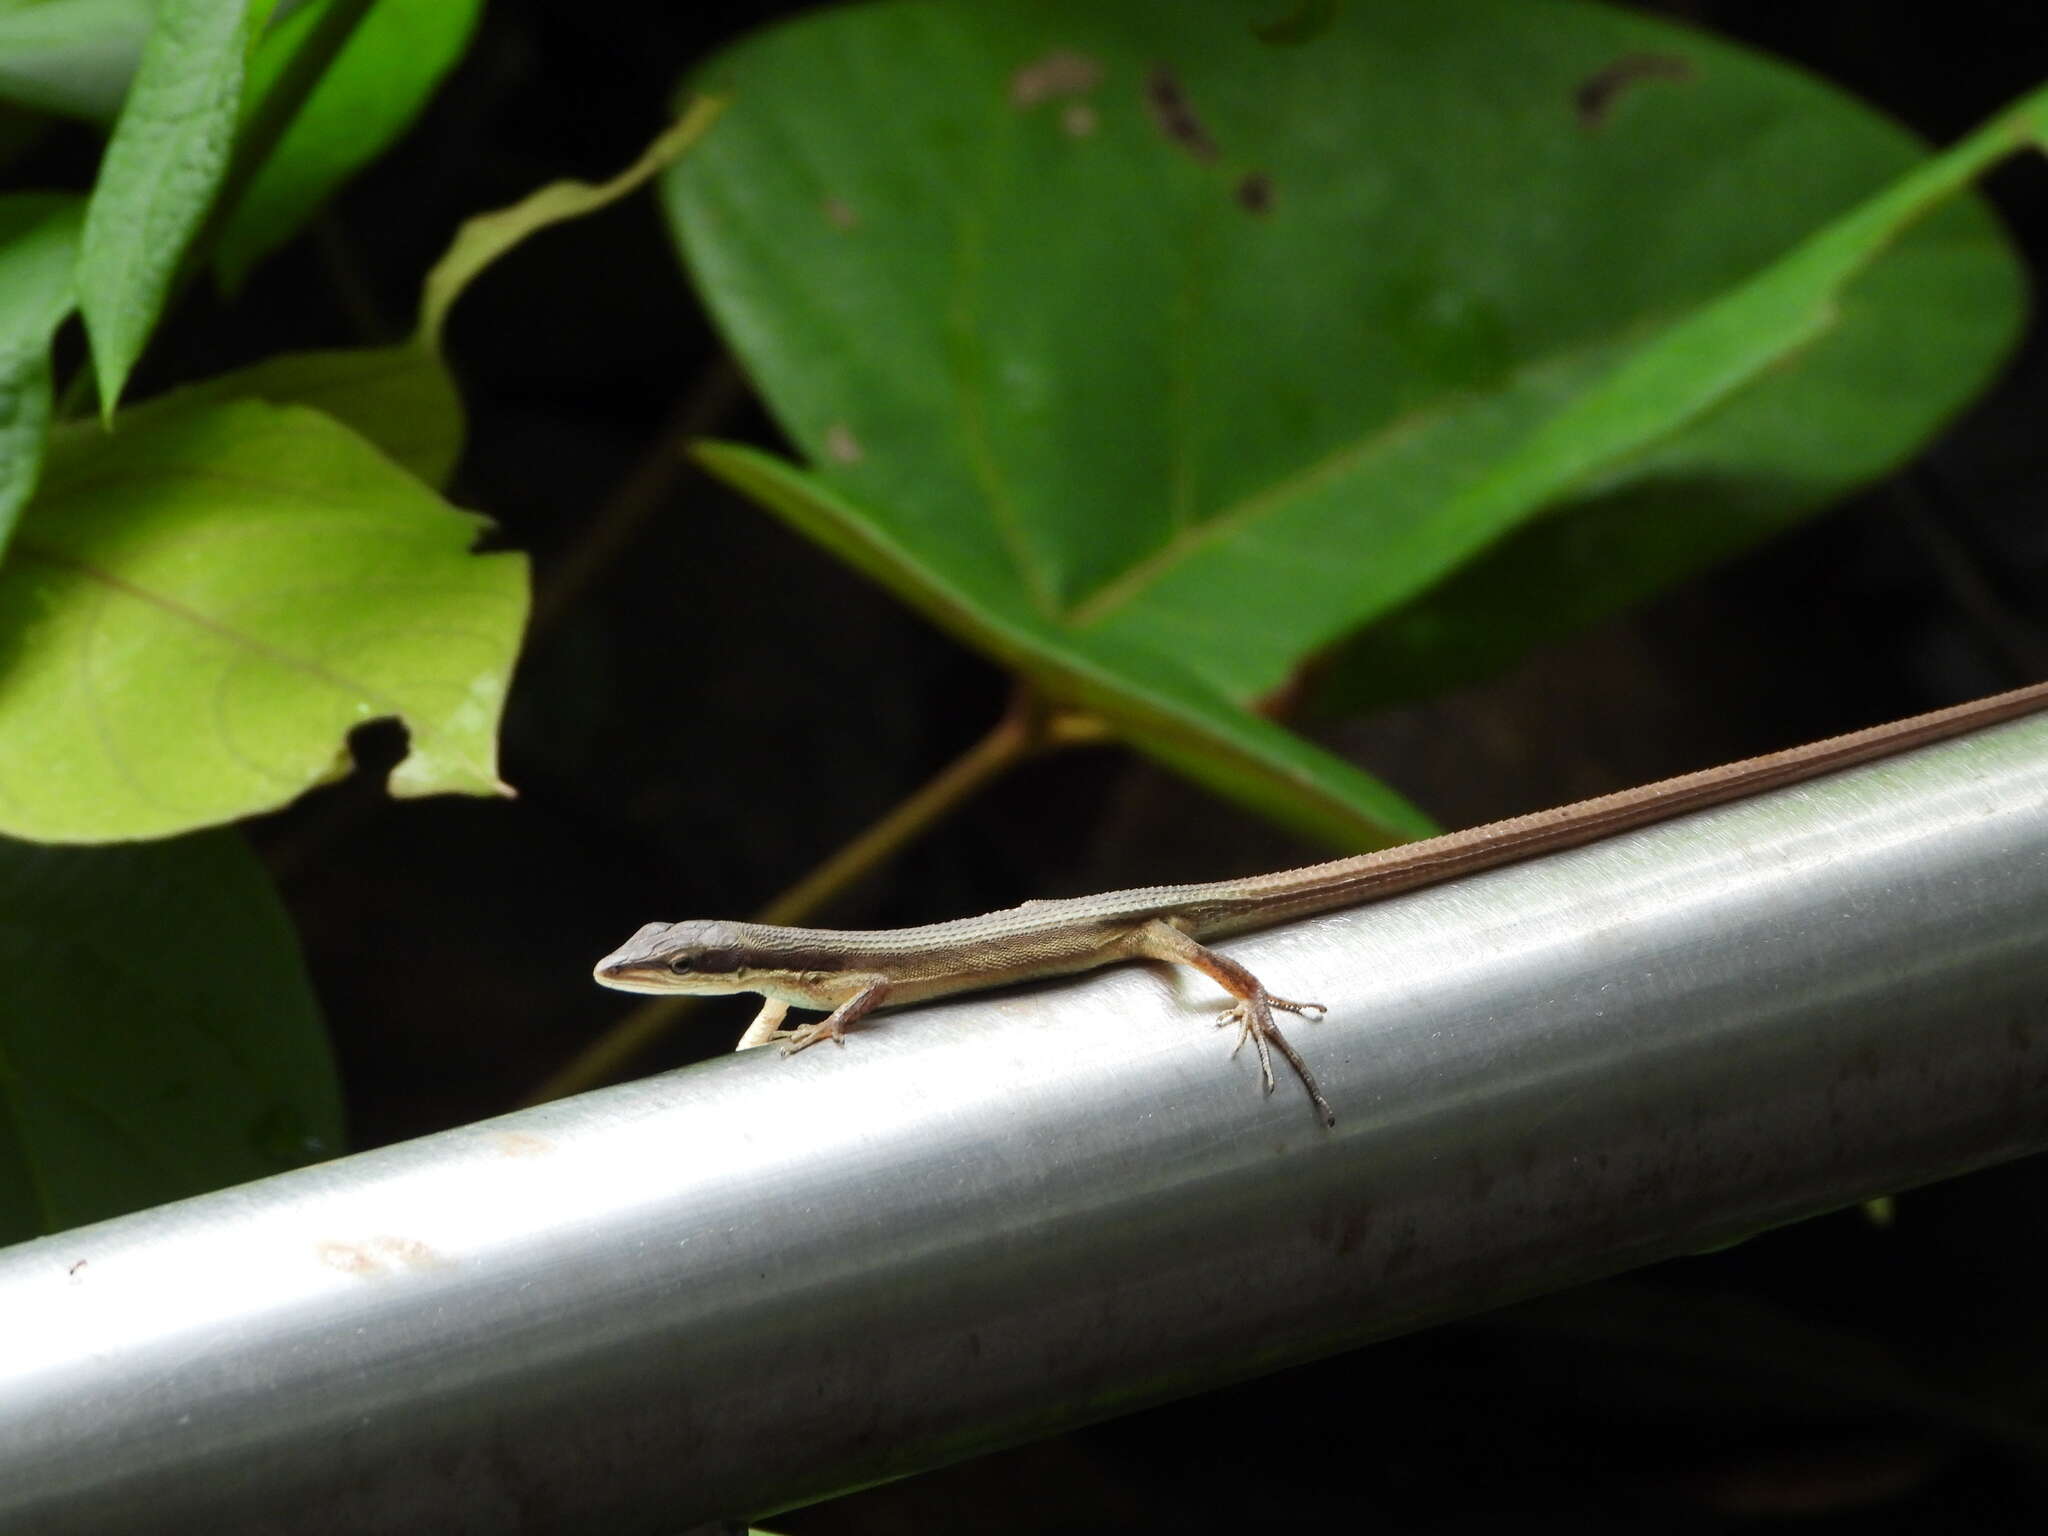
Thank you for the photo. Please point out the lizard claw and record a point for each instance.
(1254, 1023)
(795, 1040)
(1306, 1010)
(1236, 1013)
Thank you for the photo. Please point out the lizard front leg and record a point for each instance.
(833, 1026)
(1253, 1012)
(766, 1023)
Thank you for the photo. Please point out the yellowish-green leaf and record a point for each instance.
(199, 609)
(399, 397)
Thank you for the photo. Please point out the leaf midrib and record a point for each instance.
(1185, 542)
(26, 548)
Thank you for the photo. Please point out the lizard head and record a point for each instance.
(705, 958)
(708, 959)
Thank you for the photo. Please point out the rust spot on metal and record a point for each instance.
(1343, 1230)
(374, 1256)
(346, 1257)
(521, 1144)
(1597, 93)
(1167, 100)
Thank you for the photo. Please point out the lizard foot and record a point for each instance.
(1253, 1017)
(1235, 1014)
(1254, 1020)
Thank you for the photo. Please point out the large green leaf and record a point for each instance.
(200, 607)
(38, 247)
(1161, 348)
(157, 1033)
(161, 170)
(368, 96)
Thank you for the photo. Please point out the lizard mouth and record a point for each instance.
(630, 970)
(634, 976)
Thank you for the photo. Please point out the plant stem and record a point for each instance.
(718, 390)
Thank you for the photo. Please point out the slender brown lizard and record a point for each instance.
(852, 972)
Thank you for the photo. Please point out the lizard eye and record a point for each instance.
(680, 965)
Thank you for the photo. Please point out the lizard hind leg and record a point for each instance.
(1253, 1010)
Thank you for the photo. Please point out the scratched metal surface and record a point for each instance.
(758, 1282)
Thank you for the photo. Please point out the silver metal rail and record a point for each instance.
(756, 1282)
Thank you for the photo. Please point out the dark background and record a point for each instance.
(707, 706)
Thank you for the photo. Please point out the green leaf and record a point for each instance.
(483, 239)
(38, 248)
(158, 1036)
(71, 57)
(200, 607)
(399, 397)
(1121, 327)
(1178, 717)
(1707, 420)
(368, 97)
(162, 167)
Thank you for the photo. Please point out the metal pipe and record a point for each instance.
(757, 1282)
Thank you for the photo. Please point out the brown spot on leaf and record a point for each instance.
(1255, 192)
(841, 446)
(1167, 100)
(1061, 72)
(1078, 119)
(839, 215)
(1309, 20)
(1597, 93)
